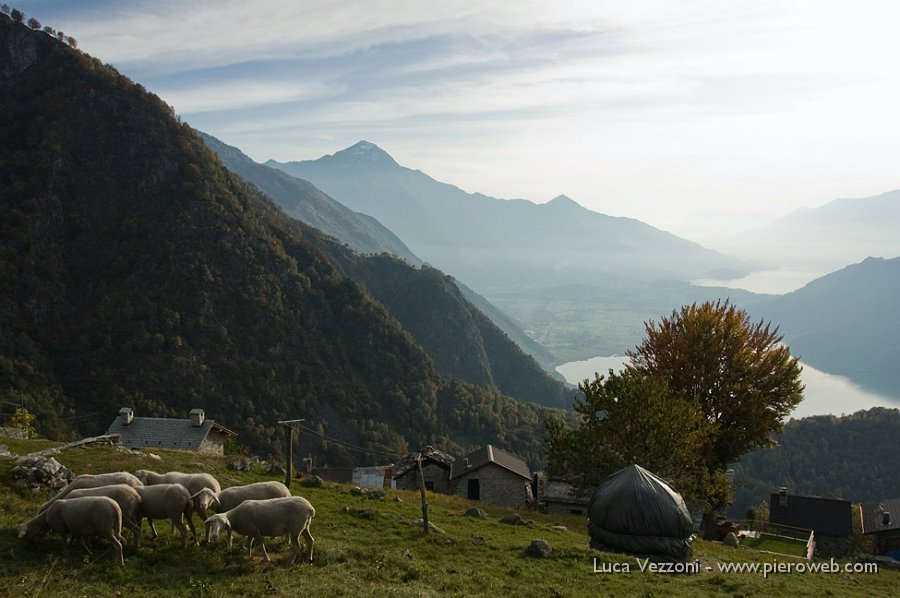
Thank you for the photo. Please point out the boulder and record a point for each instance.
(514, 519)
(731, 540)
(38, 471)
(421, 523)
(539, 549)
(476, 512)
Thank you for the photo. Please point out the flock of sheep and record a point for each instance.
(100, 505)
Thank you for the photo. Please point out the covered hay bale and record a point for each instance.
(636, 512)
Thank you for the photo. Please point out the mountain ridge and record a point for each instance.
(488, 242)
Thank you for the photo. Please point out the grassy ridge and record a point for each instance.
(366, 546)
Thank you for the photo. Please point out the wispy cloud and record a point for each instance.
(624, 102)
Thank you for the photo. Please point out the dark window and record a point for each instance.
(576, 512)
(429, 486)
(474, 489)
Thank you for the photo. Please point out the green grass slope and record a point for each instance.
(370, 547)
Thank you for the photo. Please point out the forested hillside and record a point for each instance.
(463, 342)
(851, 457)
(137, 271)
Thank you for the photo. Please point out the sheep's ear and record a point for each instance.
(22, 531)
(216, 500)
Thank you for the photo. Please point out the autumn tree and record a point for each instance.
(4, 8)
(17, 15)
(628, 418)
(34, 23)
(739, 375)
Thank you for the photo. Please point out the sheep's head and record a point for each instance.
(32, 530)
(205, 497)
(143, 475)
(215, 525)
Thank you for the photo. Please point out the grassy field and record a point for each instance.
(370, 547)
(776, 544)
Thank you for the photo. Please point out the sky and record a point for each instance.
(698, 117)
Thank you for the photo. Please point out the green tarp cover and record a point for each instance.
(635, 511)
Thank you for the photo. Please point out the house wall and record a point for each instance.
(832, 546)
(214, 444)
(433, 473)
(885, 541)
(8, 432)
(497, 485)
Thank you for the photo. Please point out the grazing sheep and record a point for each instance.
(229, 498)
(82, 517)
(128, 499)
(93, 481)
(167, 501)
(194, 482)
(270, 517)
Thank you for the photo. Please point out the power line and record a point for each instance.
(387, 452)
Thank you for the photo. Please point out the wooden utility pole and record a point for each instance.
(291, 425)
(422, 490)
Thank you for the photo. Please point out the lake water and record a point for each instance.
(773, 282)
(825, 394)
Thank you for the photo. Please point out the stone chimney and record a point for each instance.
(126, 415)
(782, 497)
(197, 417)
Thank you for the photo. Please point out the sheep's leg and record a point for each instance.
(86, 544)
(116, 540)
(153, 528)
(177, 523)
(295, 547)
(249, 547)
(134, 524)
(190, 522)
(263, 546)
(310, 541)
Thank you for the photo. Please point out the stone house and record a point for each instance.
(492, 475)
(559, 498)
(882, 521)
(830, 520)
(196, 434)
(436, 467)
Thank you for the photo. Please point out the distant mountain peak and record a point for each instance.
(564, 201)
(365, 152)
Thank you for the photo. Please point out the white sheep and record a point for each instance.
(255, 519)
(167, 501)
(82, 517)
(231, 497)
(194, 482)
(93, 481)
(128, 499)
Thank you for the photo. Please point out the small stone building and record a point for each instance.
(436, 467)
(492, 475)
(559, 498)
(830, 520)
(196, 434)
(882, 521)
